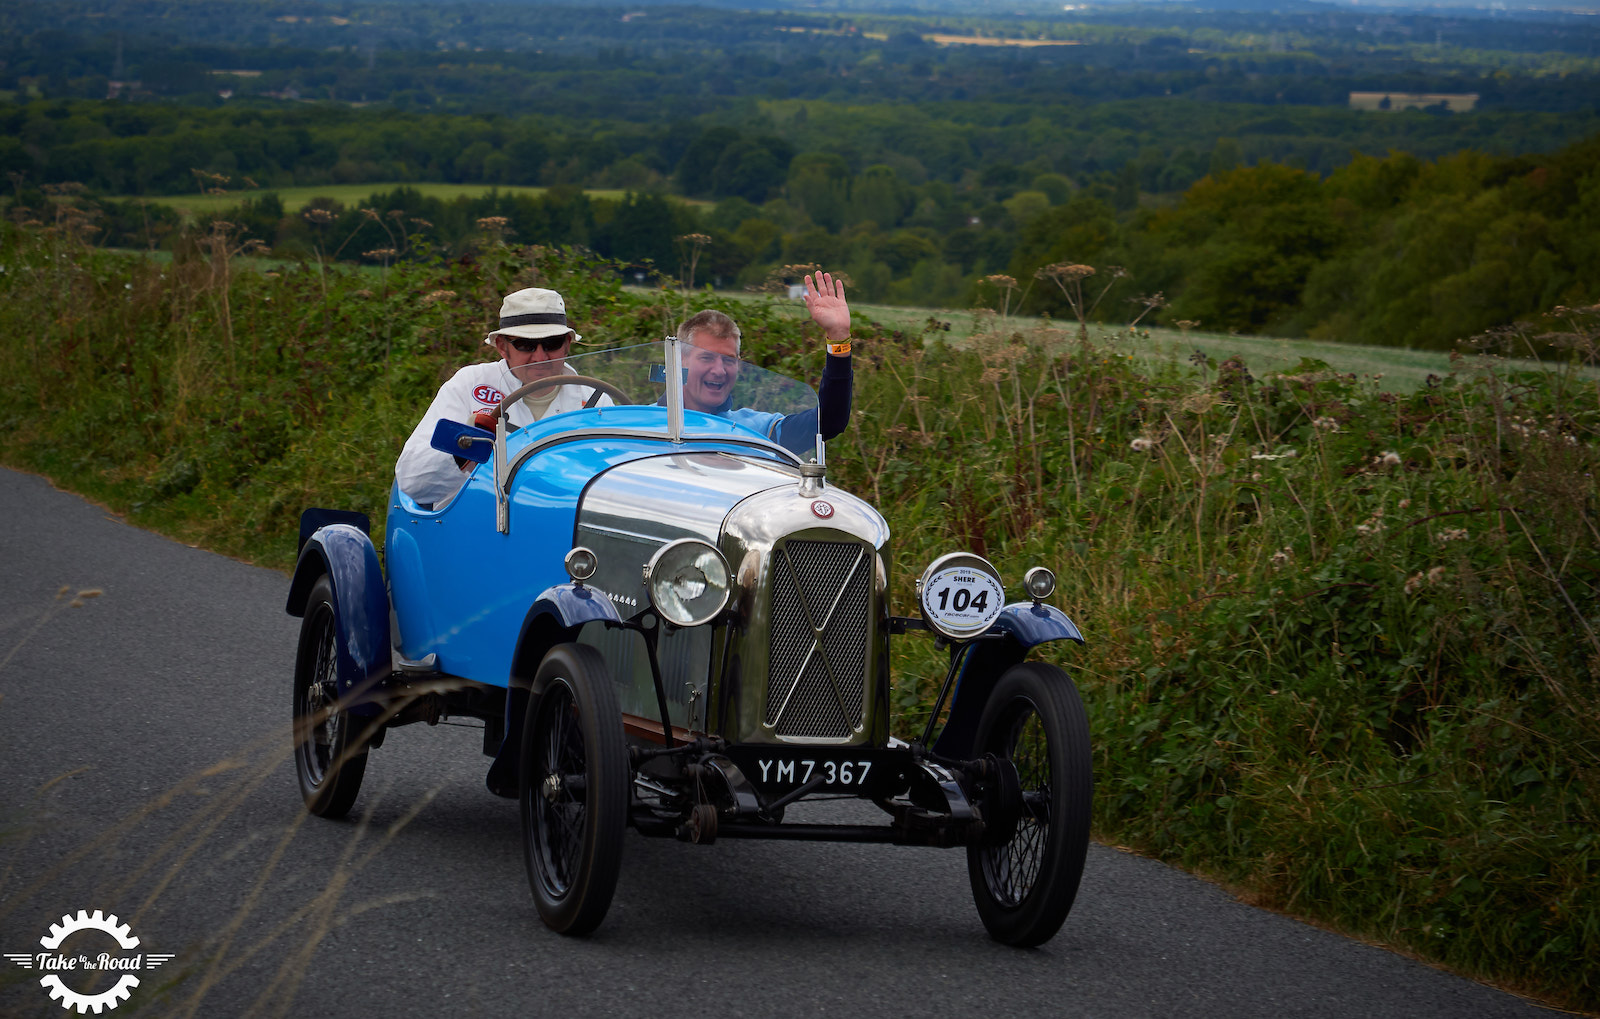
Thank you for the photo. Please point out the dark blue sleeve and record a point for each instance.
(798, 432)
(833, 396)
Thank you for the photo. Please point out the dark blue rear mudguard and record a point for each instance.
(361, 602)
(1021, 627)
(555, 618)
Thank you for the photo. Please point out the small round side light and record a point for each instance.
(581, 564)
(1039, 582)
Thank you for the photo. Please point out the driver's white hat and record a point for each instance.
(534, 313)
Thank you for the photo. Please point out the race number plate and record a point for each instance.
(961, 601)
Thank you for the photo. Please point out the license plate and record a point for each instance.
(861, 771)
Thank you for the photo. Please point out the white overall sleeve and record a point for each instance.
(424, 473)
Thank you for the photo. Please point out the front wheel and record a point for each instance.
(1025, 882)
(329, 756)
(574, 789)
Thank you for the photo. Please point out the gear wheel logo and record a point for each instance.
(84, 1002)
(65, 963)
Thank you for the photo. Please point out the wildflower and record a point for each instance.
(1141, 445)
(363, 293)
(1325, 424)
(1062, 271)
(1389, 459)
(1281, 557)
(1413, 582)
(1405, 503)
(1454, 534)
(437, 295)
(1436, 574)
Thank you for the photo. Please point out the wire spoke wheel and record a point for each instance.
(574, 789)
(560, 812)
(329, 760)
(1024, 886)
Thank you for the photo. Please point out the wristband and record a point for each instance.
(839, 349)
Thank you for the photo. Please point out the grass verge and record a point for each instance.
(1343, 639)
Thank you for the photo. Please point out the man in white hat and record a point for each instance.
(533, 340)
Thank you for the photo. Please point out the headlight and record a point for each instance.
(1039, 582)
(688, 582)
(961, 595)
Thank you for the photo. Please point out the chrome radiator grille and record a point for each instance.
(817, 662)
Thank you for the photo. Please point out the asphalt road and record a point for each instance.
(144, 771)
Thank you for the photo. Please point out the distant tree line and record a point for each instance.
(1161, 145)
(1390, 250)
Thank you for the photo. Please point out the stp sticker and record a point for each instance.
(822, 508)
(488, 395)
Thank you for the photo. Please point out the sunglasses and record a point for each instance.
(551, 344)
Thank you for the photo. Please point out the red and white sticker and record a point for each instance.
(488, 395)
(822, 508)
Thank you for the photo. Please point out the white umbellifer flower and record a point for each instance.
(1390, 459)
(1141, 445)
(1325, 424)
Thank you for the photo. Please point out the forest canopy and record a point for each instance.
(1215, 161)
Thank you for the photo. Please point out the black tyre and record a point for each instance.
(574, 789)
(329, 756)
(1024, 885)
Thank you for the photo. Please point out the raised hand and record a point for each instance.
(825, 301)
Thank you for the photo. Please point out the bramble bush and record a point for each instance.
(1342, 641)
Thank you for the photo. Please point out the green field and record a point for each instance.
(1395, 369)
(296, 198)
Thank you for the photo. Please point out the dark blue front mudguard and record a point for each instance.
(555, 618)
(1021, 627)
(361, 602)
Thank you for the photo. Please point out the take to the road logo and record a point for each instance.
(62, 969)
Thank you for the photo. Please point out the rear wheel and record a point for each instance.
(574, 789)
(1024, 881)
(329, 757)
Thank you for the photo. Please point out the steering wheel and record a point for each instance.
(600, 386)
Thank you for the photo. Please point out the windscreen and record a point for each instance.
(712, 385)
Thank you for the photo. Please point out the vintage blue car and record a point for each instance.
(666, 618)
